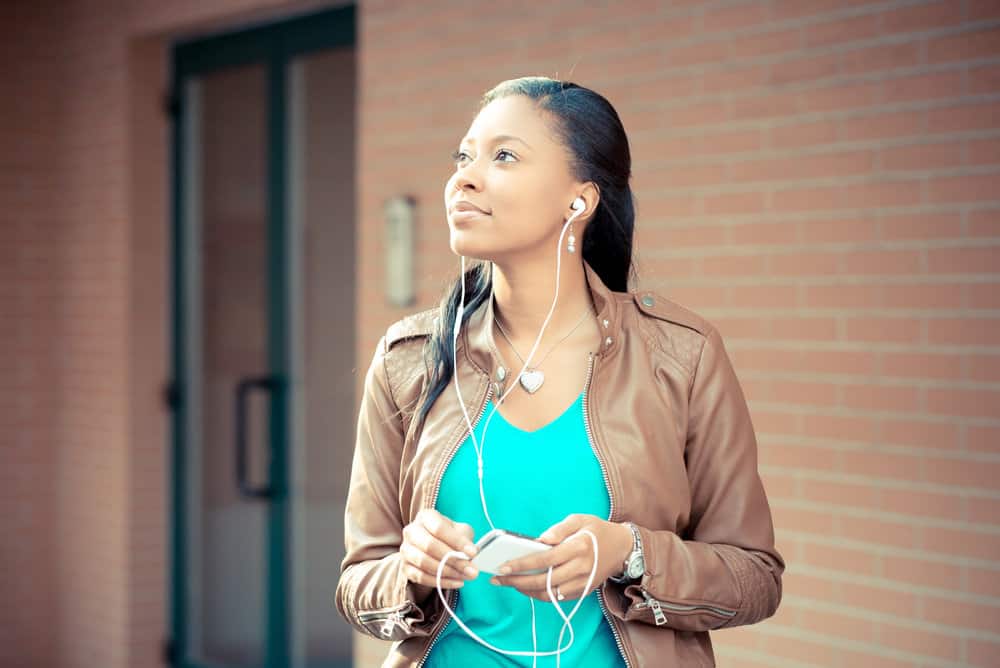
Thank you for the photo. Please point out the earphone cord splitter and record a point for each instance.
(479, 456)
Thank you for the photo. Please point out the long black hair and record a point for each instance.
(589, 127)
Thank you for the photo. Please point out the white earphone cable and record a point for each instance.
(479, 458)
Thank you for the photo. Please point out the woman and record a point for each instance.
(628, 423)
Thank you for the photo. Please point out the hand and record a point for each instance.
(572, 559)
(426, 540)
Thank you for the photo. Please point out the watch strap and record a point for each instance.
(636, 547)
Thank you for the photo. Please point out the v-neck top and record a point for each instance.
(531, 480)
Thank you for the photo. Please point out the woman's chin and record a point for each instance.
(461, 244)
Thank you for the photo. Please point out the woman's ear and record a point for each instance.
(591, 196)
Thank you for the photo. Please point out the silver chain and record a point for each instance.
(589, 310)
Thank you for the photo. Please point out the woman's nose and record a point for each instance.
(469, 178)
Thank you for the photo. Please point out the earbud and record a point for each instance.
(578, 204)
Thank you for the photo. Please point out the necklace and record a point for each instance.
(533, 377)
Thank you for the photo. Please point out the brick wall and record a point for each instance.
(817, 177)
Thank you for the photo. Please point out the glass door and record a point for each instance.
(263, 343)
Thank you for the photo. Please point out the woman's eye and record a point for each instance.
(458, 156)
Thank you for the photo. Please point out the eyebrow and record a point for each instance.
(498, 138)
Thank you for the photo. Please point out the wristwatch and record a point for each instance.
(634, 565)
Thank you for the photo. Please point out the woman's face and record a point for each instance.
(513, 168)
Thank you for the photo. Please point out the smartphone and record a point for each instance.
(498, 546)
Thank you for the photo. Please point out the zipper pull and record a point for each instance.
(390, 621)
(658, 615)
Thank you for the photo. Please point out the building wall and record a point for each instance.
(817, 177)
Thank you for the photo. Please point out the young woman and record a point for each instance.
(627, 428)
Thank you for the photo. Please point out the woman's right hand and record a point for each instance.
(425, 542)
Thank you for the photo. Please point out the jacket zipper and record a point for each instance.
(657, 607)
(436, 633)
(611, 499)
(392, 617)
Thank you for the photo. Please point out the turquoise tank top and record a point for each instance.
(531, 480)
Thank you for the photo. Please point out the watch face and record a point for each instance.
(636, 567)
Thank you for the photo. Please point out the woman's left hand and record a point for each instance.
(572, 559)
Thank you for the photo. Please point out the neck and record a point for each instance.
(524, 293)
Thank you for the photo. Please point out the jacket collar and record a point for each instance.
(480, 345)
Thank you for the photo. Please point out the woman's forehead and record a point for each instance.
(512, 118)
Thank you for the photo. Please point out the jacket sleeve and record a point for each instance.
(726, 572)
(373, 594)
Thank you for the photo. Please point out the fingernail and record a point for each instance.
(470, 550)
(494, 581)
(545, 536)
(504, 570)
(471, 572)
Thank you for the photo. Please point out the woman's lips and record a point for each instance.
(467, 216)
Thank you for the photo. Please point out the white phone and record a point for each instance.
(498, 546)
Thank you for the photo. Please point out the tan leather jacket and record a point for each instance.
(669, 424)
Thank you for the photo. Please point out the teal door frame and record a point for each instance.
(276, 45)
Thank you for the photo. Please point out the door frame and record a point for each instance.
(275, 45)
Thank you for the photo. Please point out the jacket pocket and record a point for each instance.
(394, 622)
(686, 616)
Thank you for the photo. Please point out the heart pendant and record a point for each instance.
(531, 380)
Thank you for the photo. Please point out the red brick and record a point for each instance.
(917, 18)
(842, 427)
(837, 31)
(805, 264)
(839, 230)
(877, 464)
(797, 134)
(854, 95)
(962, 473)
(895, 124)
(842, 295)
(982, 653)
(757, 44)
(886, 600)
(963, 117)
(967, 188)
(984, 510)
(733, 265)
(982, 10)
(922, 157)
(982, 438)
(762, 233)
(806, 393)
(921, 571)
(737, 77)
(881, 397)
(882, 262)
(983, 368)
(979, 259)
(837, 624)
(877, 533)
(806, 68)
(972, 44)
(932, 86)
(928, 296)
(801, 519)
(922, 504)
(840, 494)
(921, 226)
(936, 366)
(982, 581)
(813, 166)
(964, 403)
(920, 641)
(984, 223)
(884, 330)
(963, 331)
(726, 19)
(880, 57)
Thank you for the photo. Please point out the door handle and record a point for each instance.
(243, 390)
